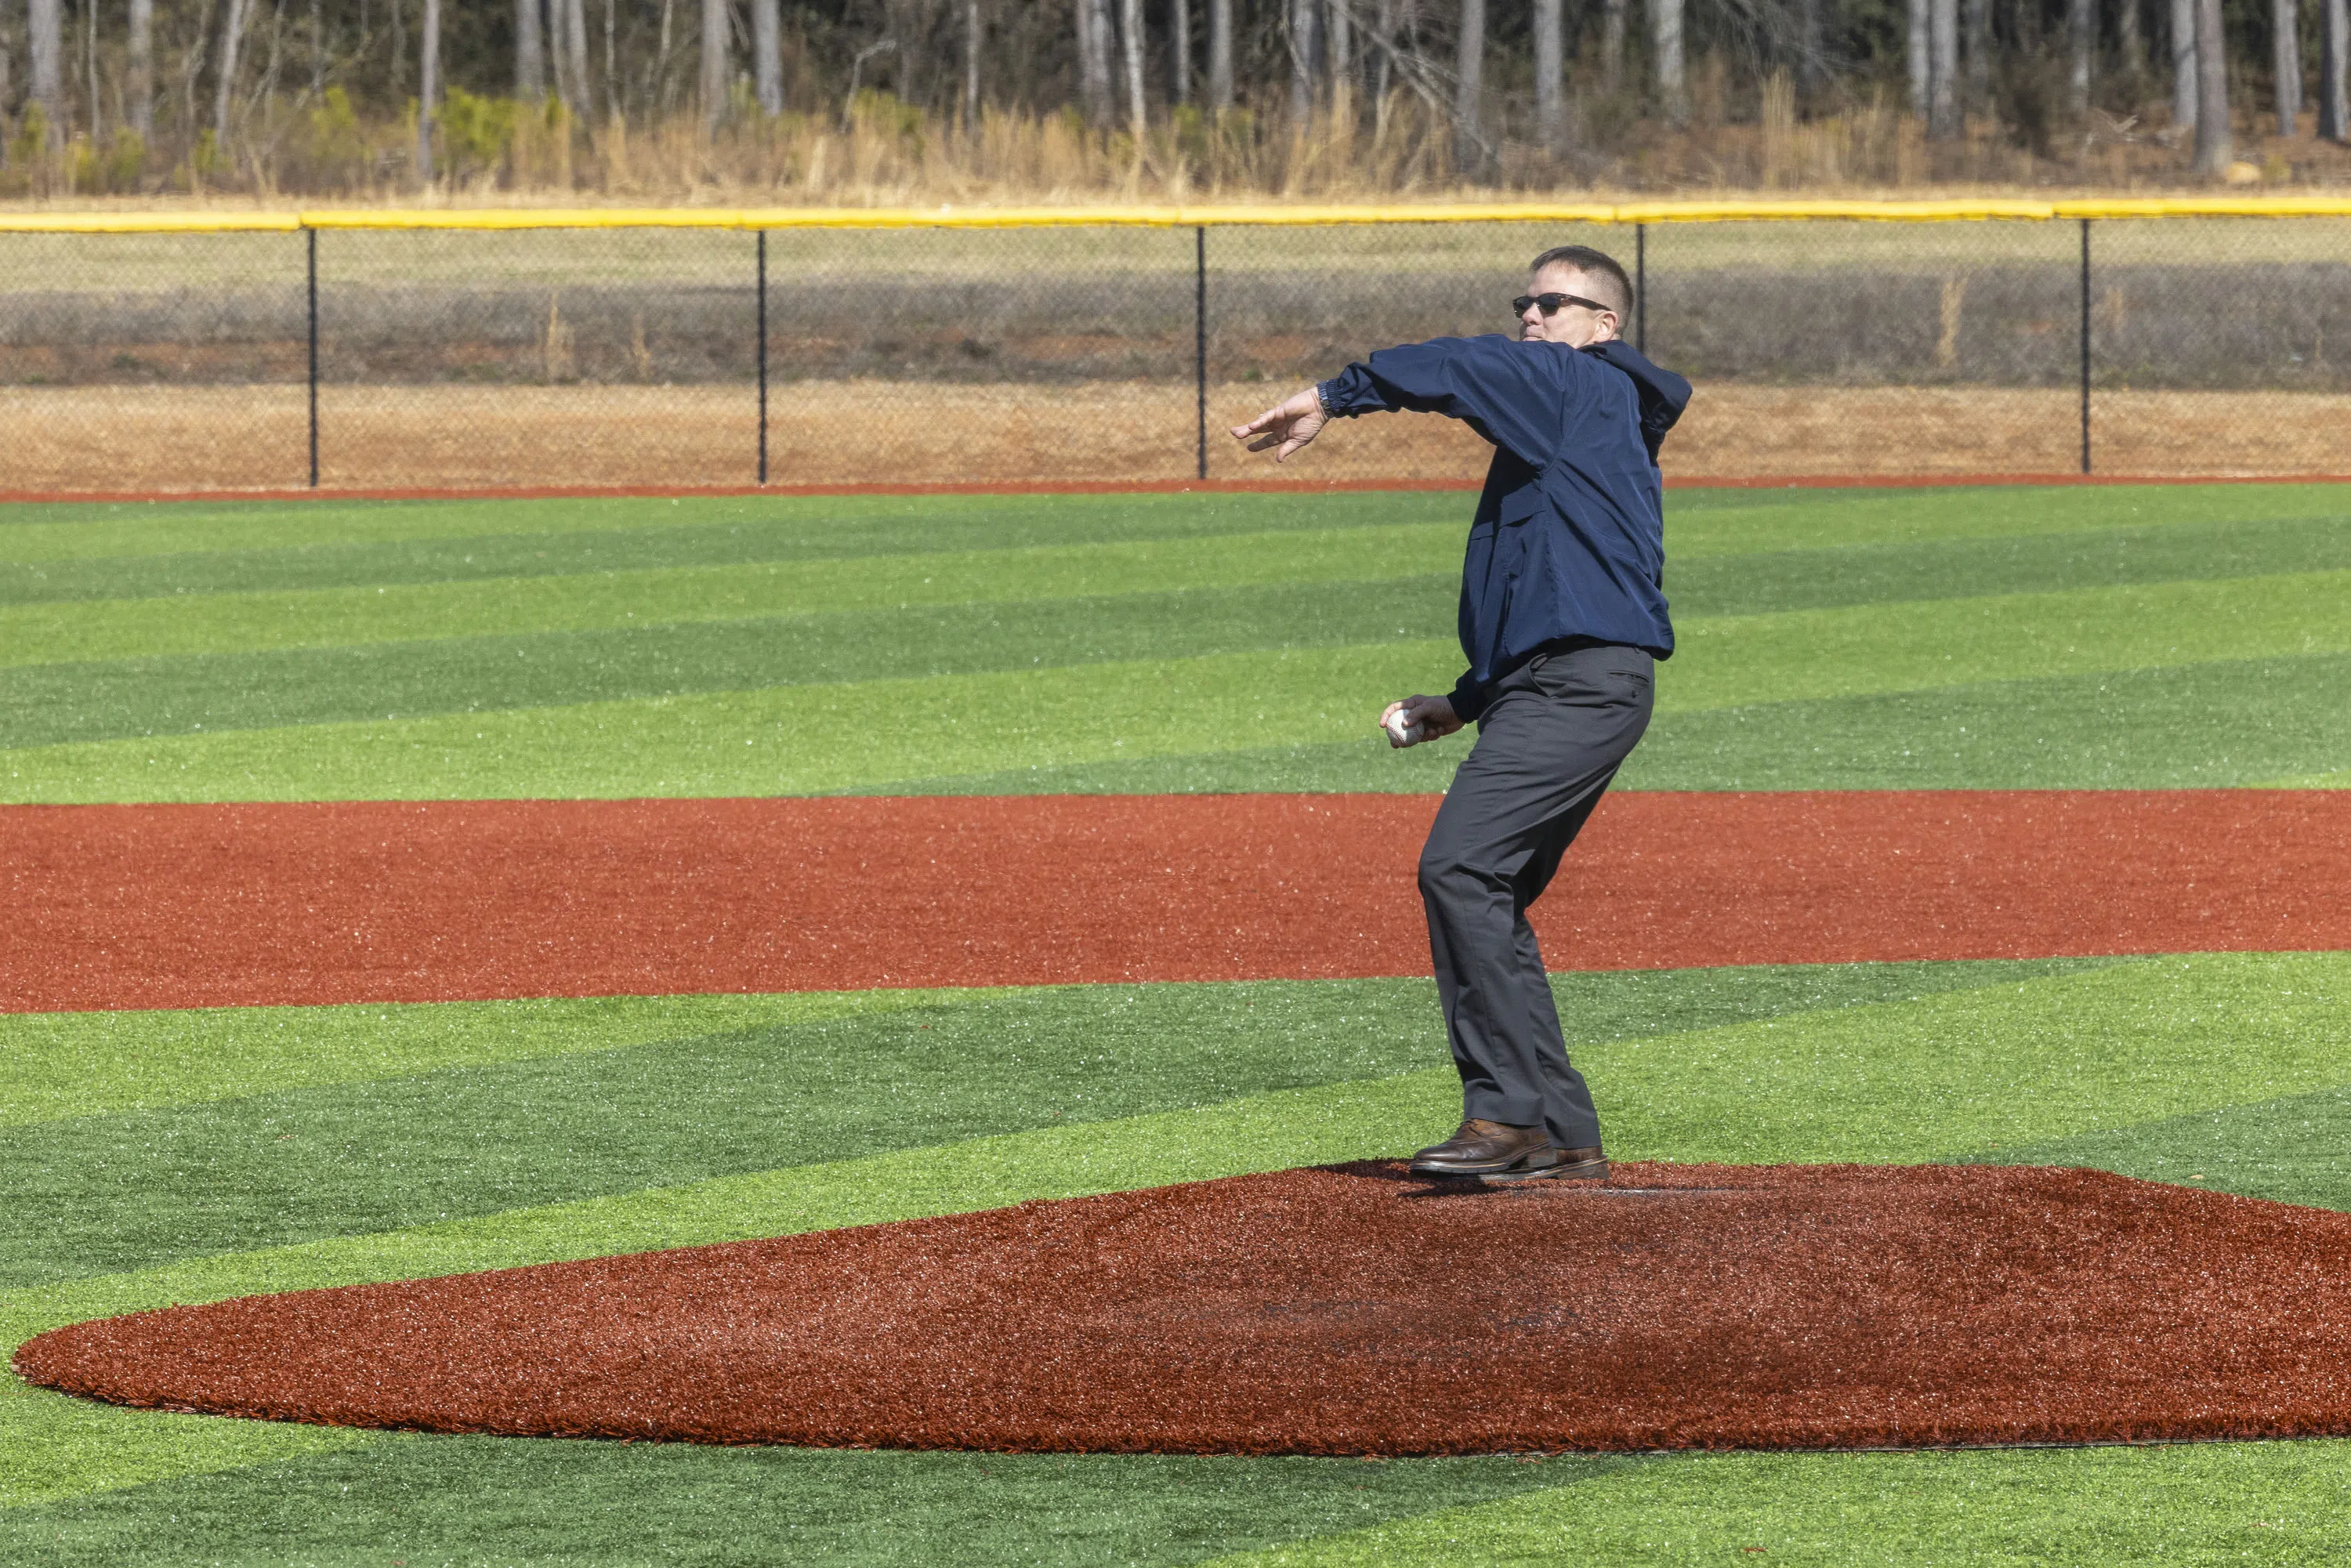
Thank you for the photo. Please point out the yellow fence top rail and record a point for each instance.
(491, 218)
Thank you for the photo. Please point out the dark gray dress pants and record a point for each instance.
(1548, 745)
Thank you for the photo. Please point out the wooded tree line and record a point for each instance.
(191, 82)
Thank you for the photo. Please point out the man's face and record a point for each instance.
(1577, 325)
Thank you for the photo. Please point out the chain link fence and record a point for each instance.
(389, 357)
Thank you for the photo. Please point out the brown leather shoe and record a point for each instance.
(1481, 1149)
(1573, 1164)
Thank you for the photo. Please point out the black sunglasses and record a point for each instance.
(1551, 302)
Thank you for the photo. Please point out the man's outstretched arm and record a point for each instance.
(1508, 391)
(1286, 426)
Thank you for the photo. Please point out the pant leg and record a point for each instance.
(1548, 746)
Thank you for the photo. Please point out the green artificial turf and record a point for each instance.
(89, 1065)
(79, 630)
(2201, 1504)
(437, 1500)
(1225, 642)
(109, 699)
(821, 739)
(535, 1118)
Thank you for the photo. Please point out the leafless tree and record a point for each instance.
(713, 78)
(1093, 59)
(2216, 146)
(1551, 84)
(1304, 17)
(1665, 44)
(570, 20)
(140, 86)
(2082, 39)
(1130, 18)
(2286, 62)
(2334, 90)
(2183, 63)
(972, 37)
(1943, 69)
(225, 87)
(1810, 61)
(1613, 16)
(1469, 85)
(530, 53)
(1976, 50)
(428, 76)
(768, 53)
(1220, 56)
(1179, 68)
(1916, 53)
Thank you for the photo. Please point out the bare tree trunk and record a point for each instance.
(2081, 36)
(972, 35)
(1469, 87)
(428, 76)
(2286, 62)
(232, 35)
(1179, 32)
(1093, 59)
(90, 64)
(711, 81)
(142, 65)
(1917, 53)
(1303, 14)
(1130, 20)
(2334, 82)
(1220, 56)
(1551, 95)
(2130, 40)
(1613, 16)
(611, 63)
(2216, 146)
(1666, 42)
(2183, 63)
(575, 46)
(768, 53)
(1943, 70)
(1809, 73)
(530, 53)
(1976, 20)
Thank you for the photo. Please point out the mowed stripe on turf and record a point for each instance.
(233, 906)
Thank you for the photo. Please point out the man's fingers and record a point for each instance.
(1263, 442)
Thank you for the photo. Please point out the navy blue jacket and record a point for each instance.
(1570, 536)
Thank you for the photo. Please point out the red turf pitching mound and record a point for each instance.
(1348, 1311)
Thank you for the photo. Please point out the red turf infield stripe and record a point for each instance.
(157, 907)
(1130, 487)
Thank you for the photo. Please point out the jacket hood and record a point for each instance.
(1662, 394)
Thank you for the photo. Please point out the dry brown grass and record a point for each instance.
(884, 154)
(140, 439)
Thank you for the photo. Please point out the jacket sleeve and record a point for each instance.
(1510, 391)
(1468, 699)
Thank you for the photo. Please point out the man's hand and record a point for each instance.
(1296, 422)
(1434, 717)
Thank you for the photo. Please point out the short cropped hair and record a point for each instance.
(1617, 288)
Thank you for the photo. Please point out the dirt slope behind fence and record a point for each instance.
(176, 438)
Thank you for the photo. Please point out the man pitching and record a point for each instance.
(1563, 615)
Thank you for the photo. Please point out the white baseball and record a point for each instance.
(1402, 729)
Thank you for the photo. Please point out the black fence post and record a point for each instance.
(1200, 340)
(310, 235)
(1641, 288)
(2085, 345)
(763, 356)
